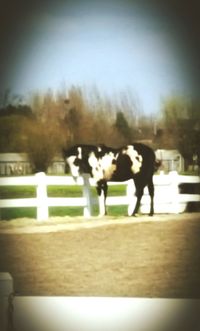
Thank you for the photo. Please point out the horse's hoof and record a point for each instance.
(135, 215)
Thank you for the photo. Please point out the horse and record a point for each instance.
(135, 161)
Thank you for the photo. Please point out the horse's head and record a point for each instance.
(77, 160)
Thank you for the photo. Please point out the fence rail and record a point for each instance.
(22, 313)
(167, 196)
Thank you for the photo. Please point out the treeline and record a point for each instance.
(179, 128)
(50, 121)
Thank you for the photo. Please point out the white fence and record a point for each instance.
(22, 313)
(167, 196)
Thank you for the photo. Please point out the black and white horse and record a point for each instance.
(136, 161)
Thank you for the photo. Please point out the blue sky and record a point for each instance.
(114, 45)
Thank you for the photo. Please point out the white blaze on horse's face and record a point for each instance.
(79, 149)
(103, 167)
(73, 168)
(135, 158)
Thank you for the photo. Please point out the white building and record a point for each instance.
(14, 164)
(19, 164)
(171, 160)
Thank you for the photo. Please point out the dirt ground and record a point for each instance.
(131, 257)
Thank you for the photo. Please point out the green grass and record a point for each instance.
(190, 173)
(12, 213)
(17, 192)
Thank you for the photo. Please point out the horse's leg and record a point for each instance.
(139, 194)
(151, 193)
(102, 189)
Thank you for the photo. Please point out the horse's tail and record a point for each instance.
(157, 164)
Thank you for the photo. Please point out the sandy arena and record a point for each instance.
(133, 257)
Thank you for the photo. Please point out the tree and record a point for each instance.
(122, 126)
(181, 126)
(12, 134)
(51, 121)
(44, 142)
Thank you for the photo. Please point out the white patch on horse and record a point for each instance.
(97, 172)
(136, 158)
(102, 168)
(107, 165)
(73, 168)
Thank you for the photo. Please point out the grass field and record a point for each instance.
(15, 192)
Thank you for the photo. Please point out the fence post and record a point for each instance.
(174, 192)
(42, 204)
(6, 290)
(87, 211)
